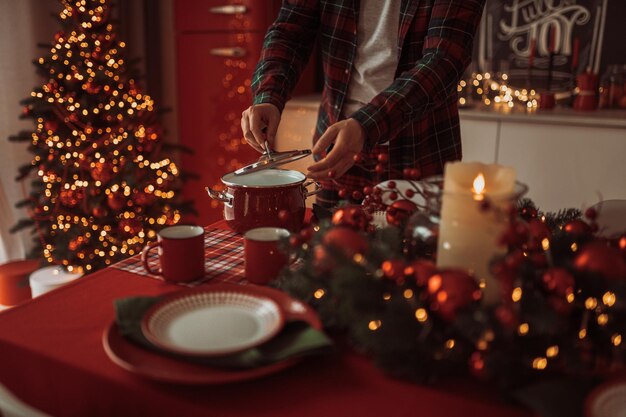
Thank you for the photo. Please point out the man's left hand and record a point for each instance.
(348, 137)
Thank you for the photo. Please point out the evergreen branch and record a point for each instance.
(21, 225)
(21, 137)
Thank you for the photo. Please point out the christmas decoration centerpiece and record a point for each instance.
(103, 180)
(557, 288)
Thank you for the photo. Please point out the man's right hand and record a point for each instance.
(259, 124)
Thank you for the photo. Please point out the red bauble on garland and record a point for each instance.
(351, 216)
(399, 211)
(537, 232)
(578, 227)
(450, 291)
(559, 281)
(394, 269)
(597, 257)
(346, 241)
(560, 284)
(421, 270)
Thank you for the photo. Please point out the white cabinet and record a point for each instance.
(567, 160)
(479, 140)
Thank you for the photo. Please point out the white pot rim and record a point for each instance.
(265, 179)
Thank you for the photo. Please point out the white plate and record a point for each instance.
(607, 400)
(212, 323)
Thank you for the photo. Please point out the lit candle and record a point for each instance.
(468, 233)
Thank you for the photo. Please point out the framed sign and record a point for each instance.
(525, 38)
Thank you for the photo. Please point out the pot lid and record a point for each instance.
(272, 159)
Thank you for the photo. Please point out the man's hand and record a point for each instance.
(348, 137)
(259, 124)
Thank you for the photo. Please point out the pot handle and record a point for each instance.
(220, 196)
(307, 193)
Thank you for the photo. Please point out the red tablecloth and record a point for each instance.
(51, 356)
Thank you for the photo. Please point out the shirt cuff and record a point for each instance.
(370, 125)
(263, 98)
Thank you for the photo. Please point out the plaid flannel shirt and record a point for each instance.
(417, 113)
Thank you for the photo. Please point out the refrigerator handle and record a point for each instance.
(232, 52)
(229, 9)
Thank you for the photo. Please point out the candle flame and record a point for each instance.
(479, 184)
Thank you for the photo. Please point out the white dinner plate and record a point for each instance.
(607, 400)
(212, 323)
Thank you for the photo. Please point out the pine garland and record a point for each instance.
(558, 315)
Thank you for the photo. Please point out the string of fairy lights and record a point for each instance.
(493, 90)
(102, 139)
(600, 310)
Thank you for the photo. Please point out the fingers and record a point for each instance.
(332, 159)
(337, 162)
(247, 132)
(272, 128)
(258, 126)
(325, 141)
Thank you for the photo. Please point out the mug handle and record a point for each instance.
(144, 258)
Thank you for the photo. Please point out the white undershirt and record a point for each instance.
(376, 58)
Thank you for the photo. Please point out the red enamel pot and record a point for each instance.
(256, 199)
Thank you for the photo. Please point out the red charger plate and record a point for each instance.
(155, 366)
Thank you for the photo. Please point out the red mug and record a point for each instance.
(181, 253)
(547, 100)
(263, 258)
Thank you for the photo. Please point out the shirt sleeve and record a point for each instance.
(286, 50)
(446, 54)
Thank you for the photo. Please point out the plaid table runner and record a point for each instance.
(223, 256)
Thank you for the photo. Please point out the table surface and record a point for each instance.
(51, 356)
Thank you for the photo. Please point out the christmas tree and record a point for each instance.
(103, 182)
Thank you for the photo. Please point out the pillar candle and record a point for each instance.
(469, 234)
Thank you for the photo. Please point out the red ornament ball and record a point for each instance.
(559, 281)
(71, 198)
(394, 269)
(351, 216)
(477, 365)
(597, 257)
(591, 213)
(50, 125)
(99, 212)
(421, 270)
(92, 88)
(578, 227)
(102, 172)
(130, 227)
(537, 232)
(507, 317)
(142, 198)
(450, 291)
(399, 211)
(116, 201)
(346, 241)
